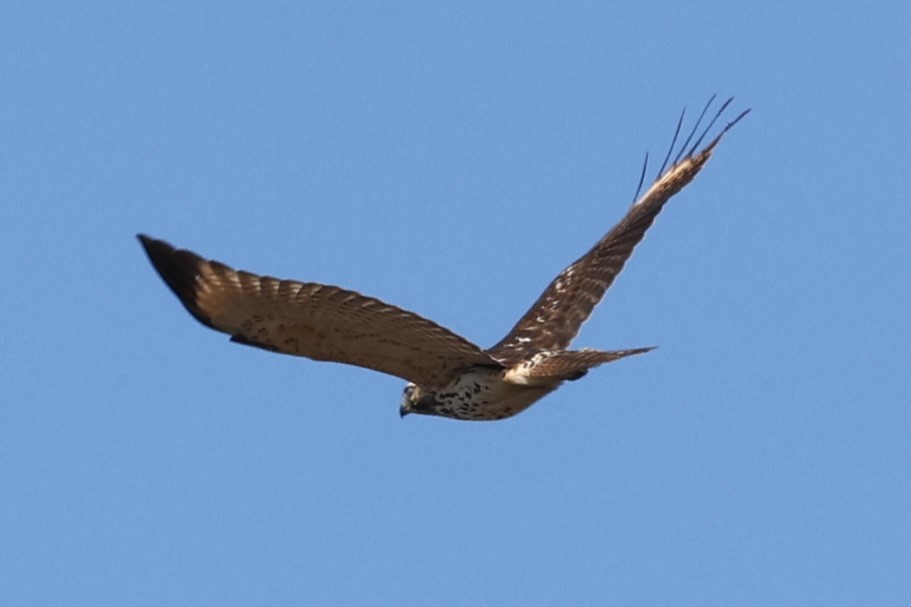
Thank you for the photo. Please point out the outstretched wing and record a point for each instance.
(317, 321)
(555, 318)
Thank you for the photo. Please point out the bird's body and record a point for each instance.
(449, 376)
(478, 393)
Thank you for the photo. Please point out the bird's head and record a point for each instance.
(415, 400)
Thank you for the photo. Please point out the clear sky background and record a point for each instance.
(451, 158)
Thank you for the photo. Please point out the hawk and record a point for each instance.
(448, 375)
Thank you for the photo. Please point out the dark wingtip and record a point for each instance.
(637, 351)
(695, 128)
(156, 250)
(641, 179)
(690, 148)
(178, 269)
(670, 150)
(728, 126)
(738, 118)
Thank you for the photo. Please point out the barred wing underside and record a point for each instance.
(555, 318)
(316, 321)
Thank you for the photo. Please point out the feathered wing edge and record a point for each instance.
(555, 318)
(321, 322)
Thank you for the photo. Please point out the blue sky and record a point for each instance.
(451, 158)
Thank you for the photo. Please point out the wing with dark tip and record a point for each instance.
(555, 318)
(316, 321)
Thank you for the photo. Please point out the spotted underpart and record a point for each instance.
(479, 394)
(492, 393)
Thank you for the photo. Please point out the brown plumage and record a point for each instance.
(316, 321)
(450, 376)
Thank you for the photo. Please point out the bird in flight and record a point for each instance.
(448, 375)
